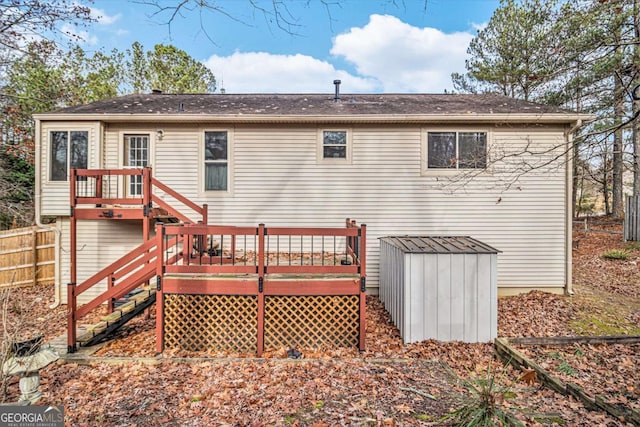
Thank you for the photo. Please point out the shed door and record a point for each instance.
(136, 155)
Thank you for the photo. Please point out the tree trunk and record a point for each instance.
(636, 102)
(617, 206)
(575, 212)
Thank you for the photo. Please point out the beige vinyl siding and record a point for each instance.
(278, 179)
(55, 195)
(99, 244)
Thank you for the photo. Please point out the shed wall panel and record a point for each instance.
(470, 297)
(443, 285)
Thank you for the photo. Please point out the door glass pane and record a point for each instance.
(59, 156)
(473, 150)
(441, 150)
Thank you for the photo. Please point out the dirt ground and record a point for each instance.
(388, 384)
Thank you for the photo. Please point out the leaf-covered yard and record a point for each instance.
(389, 384)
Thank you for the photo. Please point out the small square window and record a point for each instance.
(334, 144)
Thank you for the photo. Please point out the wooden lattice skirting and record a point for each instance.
(230, 323)
(310, 322)
(211, 322)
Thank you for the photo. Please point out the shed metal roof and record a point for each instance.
(439, 245)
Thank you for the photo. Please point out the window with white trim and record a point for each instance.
(456, 150)
(68, 150)
(334, 144)
(216, 161)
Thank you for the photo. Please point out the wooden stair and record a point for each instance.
(163, 216)
(126, 309)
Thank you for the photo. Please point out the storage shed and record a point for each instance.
(442, 288)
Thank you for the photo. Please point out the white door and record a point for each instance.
(136, 156)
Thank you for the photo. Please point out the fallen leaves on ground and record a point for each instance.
(375, 387)
(265, 393)
(610, 371)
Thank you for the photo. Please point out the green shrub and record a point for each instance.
(616, 254)
(632, 246)
(483, 406)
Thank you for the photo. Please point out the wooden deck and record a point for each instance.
(218, 286)
(278, 288)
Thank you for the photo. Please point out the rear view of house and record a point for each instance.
(485, 166)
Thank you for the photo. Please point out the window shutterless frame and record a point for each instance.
(446, 151)
(216, 161)
(334, 145)
(67, 149)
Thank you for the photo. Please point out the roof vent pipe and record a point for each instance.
(336, 98)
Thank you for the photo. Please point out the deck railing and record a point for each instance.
(129, 187)
(261, 262)
(267, 250)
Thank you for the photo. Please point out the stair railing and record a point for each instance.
(201, 210)
(108, 186)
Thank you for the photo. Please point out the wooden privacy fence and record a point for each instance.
(632, 219)
(27, 257)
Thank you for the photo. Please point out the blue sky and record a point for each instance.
(373, 46)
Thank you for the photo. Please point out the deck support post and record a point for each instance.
(71, 317)
(362, 257)
(159, 294)
(205, 214)
(73, 246)
(261, 257)
(146, 203)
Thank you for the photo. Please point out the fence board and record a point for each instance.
(27, 256)
(632, 219)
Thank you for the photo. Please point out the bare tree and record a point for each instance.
(281, 14)
(22, 21)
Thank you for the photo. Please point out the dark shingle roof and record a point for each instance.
(312, 105)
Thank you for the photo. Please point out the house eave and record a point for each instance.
(546, 118)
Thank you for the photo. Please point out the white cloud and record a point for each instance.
(479, 27)
(388, 55)
(261, 72)
(402, 57)
(103, 18)
(72, 33)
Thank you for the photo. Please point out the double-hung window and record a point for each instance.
(334, 144)
(216, 161)
(456, 150)
(68, 150)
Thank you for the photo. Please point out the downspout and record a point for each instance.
(36, 203)
(569, 209)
